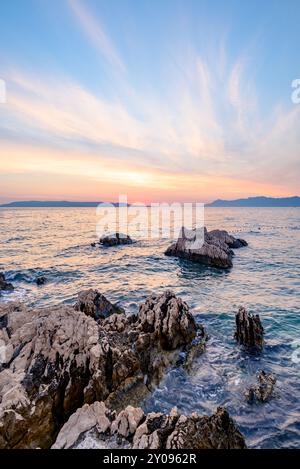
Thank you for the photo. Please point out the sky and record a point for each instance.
(161, 100)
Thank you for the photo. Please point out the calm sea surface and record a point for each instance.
(265, 278)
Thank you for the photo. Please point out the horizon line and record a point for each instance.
(8, 202)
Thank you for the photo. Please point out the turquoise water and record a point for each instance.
(264, 278)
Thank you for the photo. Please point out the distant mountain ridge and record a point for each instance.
(258, 202)
(55, 203)
(247, 202)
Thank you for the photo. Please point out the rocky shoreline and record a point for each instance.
(54, 360)
(74, 376)
(96, 426)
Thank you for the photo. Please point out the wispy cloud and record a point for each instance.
(206, 136)
(96, 34)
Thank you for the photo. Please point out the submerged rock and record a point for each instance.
(133, 429)
(115, 239)
(264, 388)
(59, 358)
(4, 285)
(249, 330)
(41, 280)
(211, 248)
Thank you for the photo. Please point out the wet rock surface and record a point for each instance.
(41, 280)
(224, 237)
(264, 388)
(4, 285)
(131, 428)
(211, 248)
(56, 359)
(249, 330)
(114, 239)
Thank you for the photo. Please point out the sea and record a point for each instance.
(265, 278)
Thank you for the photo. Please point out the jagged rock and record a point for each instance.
(225, 237)
(94, 304)
(115, 239)
(83, 420)
(59, 358)
(41, 280)
(212, 248)
(168, 317)
(165, 319)
(55, 352)
(4, 285)
(249, 330)
(202, 432)
(264, 388)
(127, 421)
(196, 347)
(152, 431)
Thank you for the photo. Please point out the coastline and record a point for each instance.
(229, 366)
(93, 354)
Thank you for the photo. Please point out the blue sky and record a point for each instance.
(160, 99)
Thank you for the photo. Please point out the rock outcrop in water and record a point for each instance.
(54, 360)
(4, 285)
(264, 388)
(249, 330)
(114, 239)
(211, 248)
(97, 426)
(224, 237)
(41, 280)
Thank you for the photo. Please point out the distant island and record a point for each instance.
(258, 202)
(55, 203)
(248, 202)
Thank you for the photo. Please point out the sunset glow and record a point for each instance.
(202, 122)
